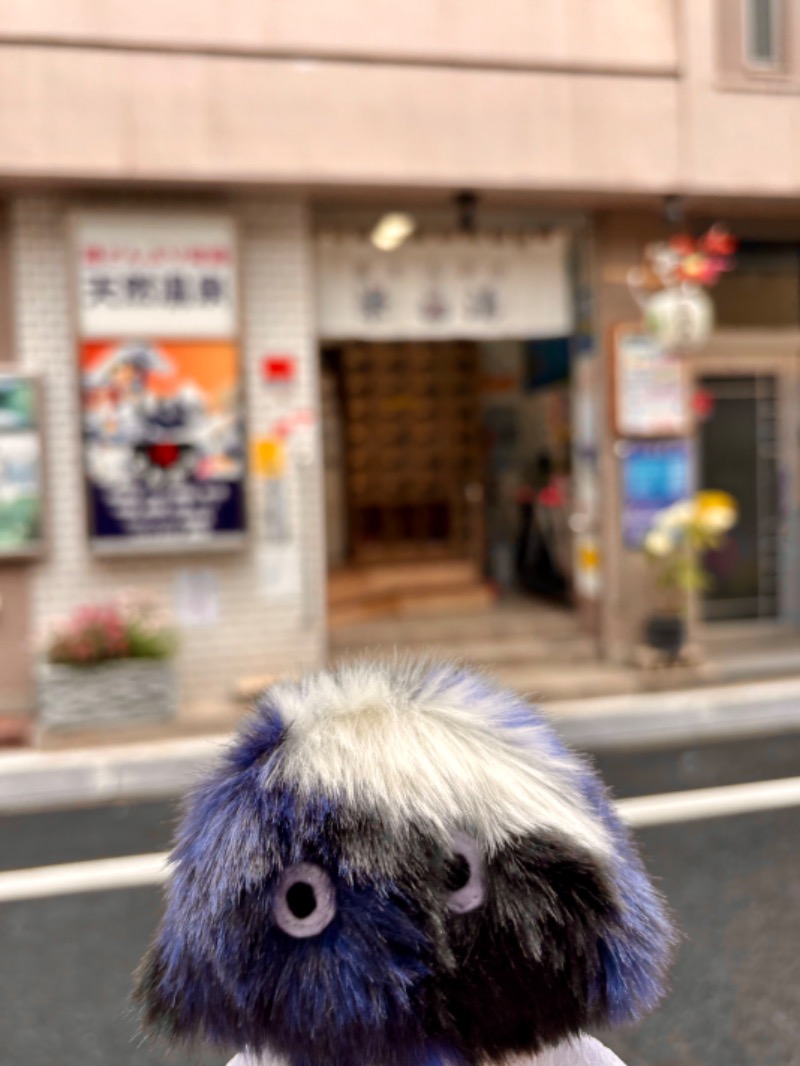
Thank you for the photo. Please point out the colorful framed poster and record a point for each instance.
(21, 467)
(161, 390)
(650, 392)
(655, 474)
(164, 443)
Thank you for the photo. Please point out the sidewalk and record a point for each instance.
(166, 766)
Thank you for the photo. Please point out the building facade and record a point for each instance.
(569, 121)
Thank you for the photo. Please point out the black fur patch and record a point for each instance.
(525, 960)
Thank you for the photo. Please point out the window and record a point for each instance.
(762, 34)
(758, 45)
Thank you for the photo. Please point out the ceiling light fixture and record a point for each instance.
(392, 230)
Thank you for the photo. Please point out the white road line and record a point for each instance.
(710, 802)
(131, 871)
(98, 875)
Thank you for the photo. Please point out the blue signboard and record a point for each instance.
(655, 474)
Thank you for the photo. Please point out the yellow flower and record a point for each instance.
(716, 511)
(658, 543)
(676, 517)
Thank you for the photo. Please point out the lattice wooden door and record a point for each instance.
(413, 452)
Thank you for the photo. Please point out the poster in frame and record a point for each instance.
(163, 443)
(161, 388)
(649, 386)
(22, 494)
(655, 475)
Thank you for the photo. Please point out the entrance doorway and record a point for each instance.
(447, 469)
(747, 445)
(412, 451)
(738, 453)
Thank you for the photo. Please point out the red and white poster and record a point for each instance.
(161, 402)
(156, 275)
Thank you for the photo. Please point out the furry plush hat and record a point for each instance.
(401, 865)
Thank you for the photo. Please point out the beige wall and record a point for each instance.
(627, 585)
(623, 96)
(583, 33)
(733, 141)
(254, 635)
(564, 94)
(111, 114)
(16, 678)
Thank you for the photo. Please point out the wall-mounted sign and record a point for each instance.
(196, 597)
(649, 386)
(161, 405)
(279, 572)
(586, 483)
(268, 456)
(164, 444)
(21, 491)
(655, 474)
(278, 369)
(444, 287)
(159, 275)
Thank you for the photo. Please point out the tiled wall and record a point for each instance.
(253, 635)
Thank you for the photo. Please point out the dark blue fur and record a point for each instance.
(396, 979)
(221, 968)
(636, 952)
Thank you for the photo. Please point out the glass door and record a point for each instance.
(738, 452)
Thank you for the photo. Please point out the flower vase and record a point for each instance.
(666, 633)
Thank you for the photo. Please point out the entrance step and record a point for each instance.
(355, 583)
(362, 595)
(533, 625)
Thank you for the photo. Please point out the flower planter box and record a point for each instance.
(120, 692)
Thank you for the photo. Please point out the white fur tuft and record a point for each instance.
(430, 743)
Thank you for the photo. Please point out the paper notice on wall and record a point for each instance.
(196, 596)
(588, 576)
(268, 456)
(651, 387)
(276, 510)
(279, 572)
(303, 443)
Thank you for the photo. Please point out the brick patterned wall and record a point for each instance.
(253, 636)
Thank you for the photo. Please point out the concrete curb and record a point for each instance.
(689, 716)
(42, 780)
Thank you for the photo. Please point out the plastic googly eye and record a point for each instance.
(305, 900)
(464, 875)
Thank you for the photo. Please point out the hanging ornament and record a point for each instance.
(670, 286)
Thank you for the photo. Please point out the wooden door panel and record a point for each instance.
(412, 448)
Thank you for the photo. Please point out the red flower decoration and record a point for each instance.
(683, 244)
(718, 242)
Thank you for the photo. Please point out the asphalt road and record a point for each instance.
(733, 884)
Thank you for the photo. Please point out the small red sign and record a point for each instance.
(278, 368)
(703, 404)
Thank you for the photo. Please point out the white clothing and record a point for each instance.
(583, 1052)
